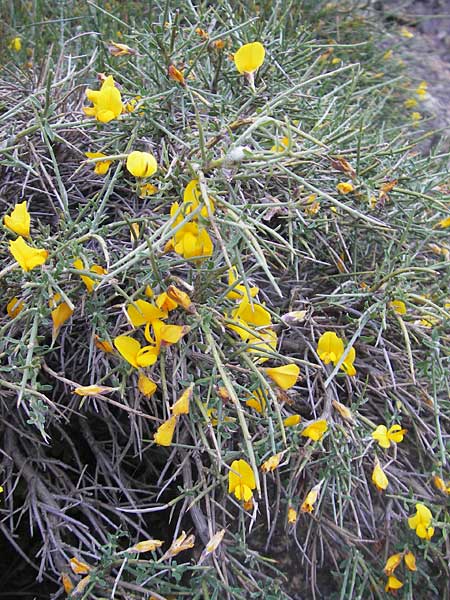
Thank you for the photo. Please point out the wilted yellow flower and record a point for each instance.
(101, 167)
(440, 484)
(345, 187)
(292, 515)
(118, 49)
(292, 420)
(176, 75)
(385, 436)
(202, 33)
(103, 345)
(241, 480)
(393, 584)
(92, 390)
(141, 164)
(310, 500)
(421, 522)
(146, 386)
(285, 376)
(181, 406)
(345, 412)
(145, 546)
(78, 567)
(399, 306)
(16, 44)
(271, 463)
(107, 102)
(165, 335)
(406, 33)
(392, 563)
(183, 542)
(67, 583)
(379, 477)
(316, 430)
(146, 190)
(214, 542)
(27, 256)
(60, 314)
(14, 307)
(164, 434)
(181, 298)
(134, 353)
(410, 561)
(19, 220)
(249, 57)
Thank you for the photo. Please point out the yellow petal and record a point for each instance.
(146, 386)
(240, 474)
(147, 356)
(183, 542)
(257, 401)
(181, 406)
(381, 436)
(396, 433)
(392, 563)
(141, 164)
(19, 220)
(103, 345)
(181, 298)
(128, 348)
(145, 546)
(67, 583)
(271, 463)
(27, 256)
(164, 434)
(60, 315)
(78, 567)
(165, 303)
(285, 376)
(14, 307)
(249, 57)
(399, 306)
(292, 420)
(292, 515)
(379, 477)
(316, 430)
(92, 390)
(310, 500)
(393, 584)
(410, 561)
(142, 312)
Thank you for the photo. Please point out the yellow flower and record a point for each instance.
(315, 430)
(292, 515)
(78, 567)
(16, 44)
(192, 241)
(103, 345)
(388, 54)
(406, 33)
(444, 223)
(421, 90)
(249, 57)
(145, 546)
(399, 306)
(118, 49)
(410, 103)
(241, 480)
(392, 563)
(416, 116)
(14, 307)
(146, 386)
(146, 190)
(239, 290)
(19, 221)
(165, 303)
(107, 102)
(181, 298)
(88, 281)
(410, 561)
(134, 353)
(393, 584)
(292, 420)
(165, 335)
(385, 436)
(92, 390)
(67, 583)
(142, 312)
(176, 75)
(181, 406)
(164, 434)
(60, 314)
(271, 463)
(192, 198)
(310, 500)
(281, 145)
(330, 348)
(379, 477)
(345, 187)
(101, 167)
(421, 522)
(285, 376)
(257, 401)
(141, 164)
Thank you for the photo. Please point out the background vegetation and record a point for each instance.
(82, 475)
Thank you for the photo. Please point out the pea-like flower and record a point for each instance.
(19, 220)
(27, 256)
(107, 102)
(385, 436)
(249, 57)
(241, 480)
(101, 167)
(141, 164)
(330, 348)
(379, 477)
(421, 522)
(315, 430)
(285, 376)
(164, 434)
(134, 353)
